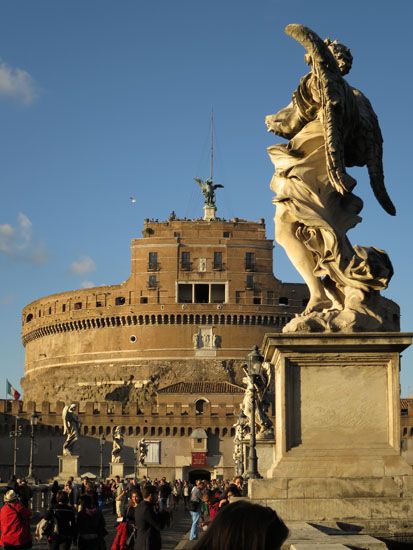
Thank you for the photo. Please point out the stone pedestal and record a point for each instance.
(337, 454)
(209, 212)
(265, 454)
(142, 471)
(117, 469)
(68, 466)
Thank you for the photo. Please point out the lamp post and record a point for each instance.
(102, 441)
(17, 432)
(255, 360)
(33, 423)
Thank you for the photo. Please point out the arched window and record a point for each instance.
(200, 405)
(29, 318)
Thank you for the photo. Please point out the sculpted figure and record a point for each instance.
(330, 126)
(71, 428)
(142, 449)
(208, 190)
(240, 426)
(261, 385)
(117, 445)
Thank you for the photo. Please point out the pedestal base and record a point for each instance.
(68, 467)
(337, 455)
(209, 212)
(142, 471)
(117, 469)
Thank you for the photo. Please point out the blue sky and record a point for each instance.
(102, 100)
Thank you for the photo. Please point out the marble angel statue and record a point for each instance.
(142, 451)
(117, 445)
(71, 428)
(261, 385)
(330, 126)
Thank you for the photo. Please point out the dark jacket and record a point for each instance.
(91, 528)
(65, 518)
(148, 536)
(15, 525)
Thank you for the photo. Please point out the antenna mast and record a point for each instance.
(212, 146)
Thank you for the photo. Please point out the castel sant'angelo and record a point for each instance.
(162, 354)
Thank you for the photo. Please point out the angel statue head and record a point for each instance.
(341, 54)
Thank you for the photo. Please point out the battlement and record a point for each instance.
(97, 419)
(104, 410)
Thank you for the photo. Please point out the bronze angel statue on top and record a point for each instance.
(208, 188)
(330, 126)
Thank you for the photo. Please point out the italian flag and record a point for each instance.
(12, 391)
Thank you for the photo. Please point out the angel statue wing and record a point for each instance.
(362, 146)
(64, 418)
(369, 144)
(333, 97)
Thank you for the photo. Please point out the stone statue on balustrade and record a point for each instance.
(260, 385)
(142, 449)
(117, 444)
(71, 428)
(241, 428)
(330, 126)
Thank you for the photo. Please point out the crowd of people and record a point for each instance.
(141, 509)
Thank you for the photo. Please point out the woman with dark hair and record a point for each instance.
(90, 525)
(54, 489)
(244, 526)
(63, 516)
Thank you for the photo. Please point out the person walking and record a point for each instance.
(195, 508)
(64, 516)
(120, 496)
(148, 535)
(14, 523)
(164, 493)
(91, 526)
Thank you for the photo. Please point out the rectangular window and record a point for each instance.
(201, 294)
(217, 260)
(249, 283)
(143, 300)
(249, 261)
(78, 305)
(153, 261)
(217, 294)
(184, 294)
(257, 298)
(152, 282)
(237, 297)
(270, 297)
(154, 452)
(186, 261)
(226, 234)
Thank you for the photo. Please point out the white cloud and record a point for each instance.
(18, 243)
(17, 84)
(87, 284)
(84, 264)
(6, 237)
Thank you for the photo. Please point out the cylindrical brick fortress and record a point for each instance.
(199, 296)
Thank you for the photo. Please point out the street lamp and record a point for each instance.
(255, 360)
(102, 441)
(17, 432)
(33, 423)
